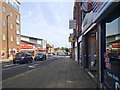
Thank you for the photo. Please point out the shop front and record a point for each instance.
(112, 52)
(28, 48)
(100, 42)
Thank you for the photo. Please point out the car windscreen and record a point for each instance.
(20, 54)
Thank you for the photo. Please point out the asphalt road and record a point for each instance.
(11, 70)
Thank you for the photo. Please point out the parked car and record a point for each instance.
(22, 57)
(40, 57)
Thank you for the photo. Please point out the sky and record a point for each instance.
(48, 21)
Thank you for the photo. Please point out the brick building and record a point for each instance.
(10, 26)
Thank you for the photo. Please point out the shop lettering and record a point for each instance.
(113, 76)
(117, 86)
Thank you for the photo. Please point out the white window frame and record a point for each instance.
(4, 22)
(11, 38)
(17, 29)
(17, 40)
(3, 37)
(11, 26)
(3, 9)
(11, 13)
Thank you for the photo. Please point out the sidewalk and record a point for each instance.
(60, 73)
(6, 60)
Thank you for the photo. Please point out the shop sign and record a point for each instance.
(98, 8)
(115, 45)
(26, 46)
(72, 24)
(72, 35)
(70, 39)
(40, 48)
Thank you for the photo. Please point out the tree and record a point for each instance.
(56, 49)
(67, 50)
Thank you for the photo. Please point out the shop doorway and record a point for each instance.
(92, 51)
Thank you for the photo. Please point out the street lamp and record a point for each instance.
(7, 37)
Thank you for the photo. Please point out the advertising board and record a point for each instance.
(98, 8)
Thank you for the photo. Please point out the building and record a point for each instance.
(99, 42)
(76, 31)
(50, 48)
(10, 26)
(34, 45)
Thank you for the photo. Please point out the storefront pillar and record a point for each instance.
(84, 52)
(102, 46)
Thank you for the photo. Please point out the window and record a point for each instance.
(3, 37)
(17, 40)
(11, 26)
(17, 29)
(17, 20)
(113, 43)
(4, 9)
(16, 6)
(11, 38)
(4, 22)
(11, 13)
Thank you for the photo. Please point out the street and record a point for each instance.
(61, 72)
(10, 69)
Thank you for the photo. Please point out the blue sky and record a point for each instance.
(47, 20)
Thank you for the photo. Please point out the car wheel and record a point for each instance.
(30, 61)
(14, 62)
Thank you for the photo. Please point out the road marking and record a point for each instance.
(17, 65)
(14, 66)
(8, 65)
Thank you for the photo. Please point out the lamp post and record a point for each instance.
(7, 37)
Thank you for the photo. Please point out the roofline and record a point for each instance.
(31, 37)
(28, 42)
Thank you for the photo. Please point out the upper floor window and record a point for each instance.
(11, 26)
(3, 37)
(4, 9)
(17, 40)
(11, 38)
(4, 22)
(11, 13)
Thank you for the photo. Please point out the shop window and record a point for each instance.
(112, 54)
(113, 40)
